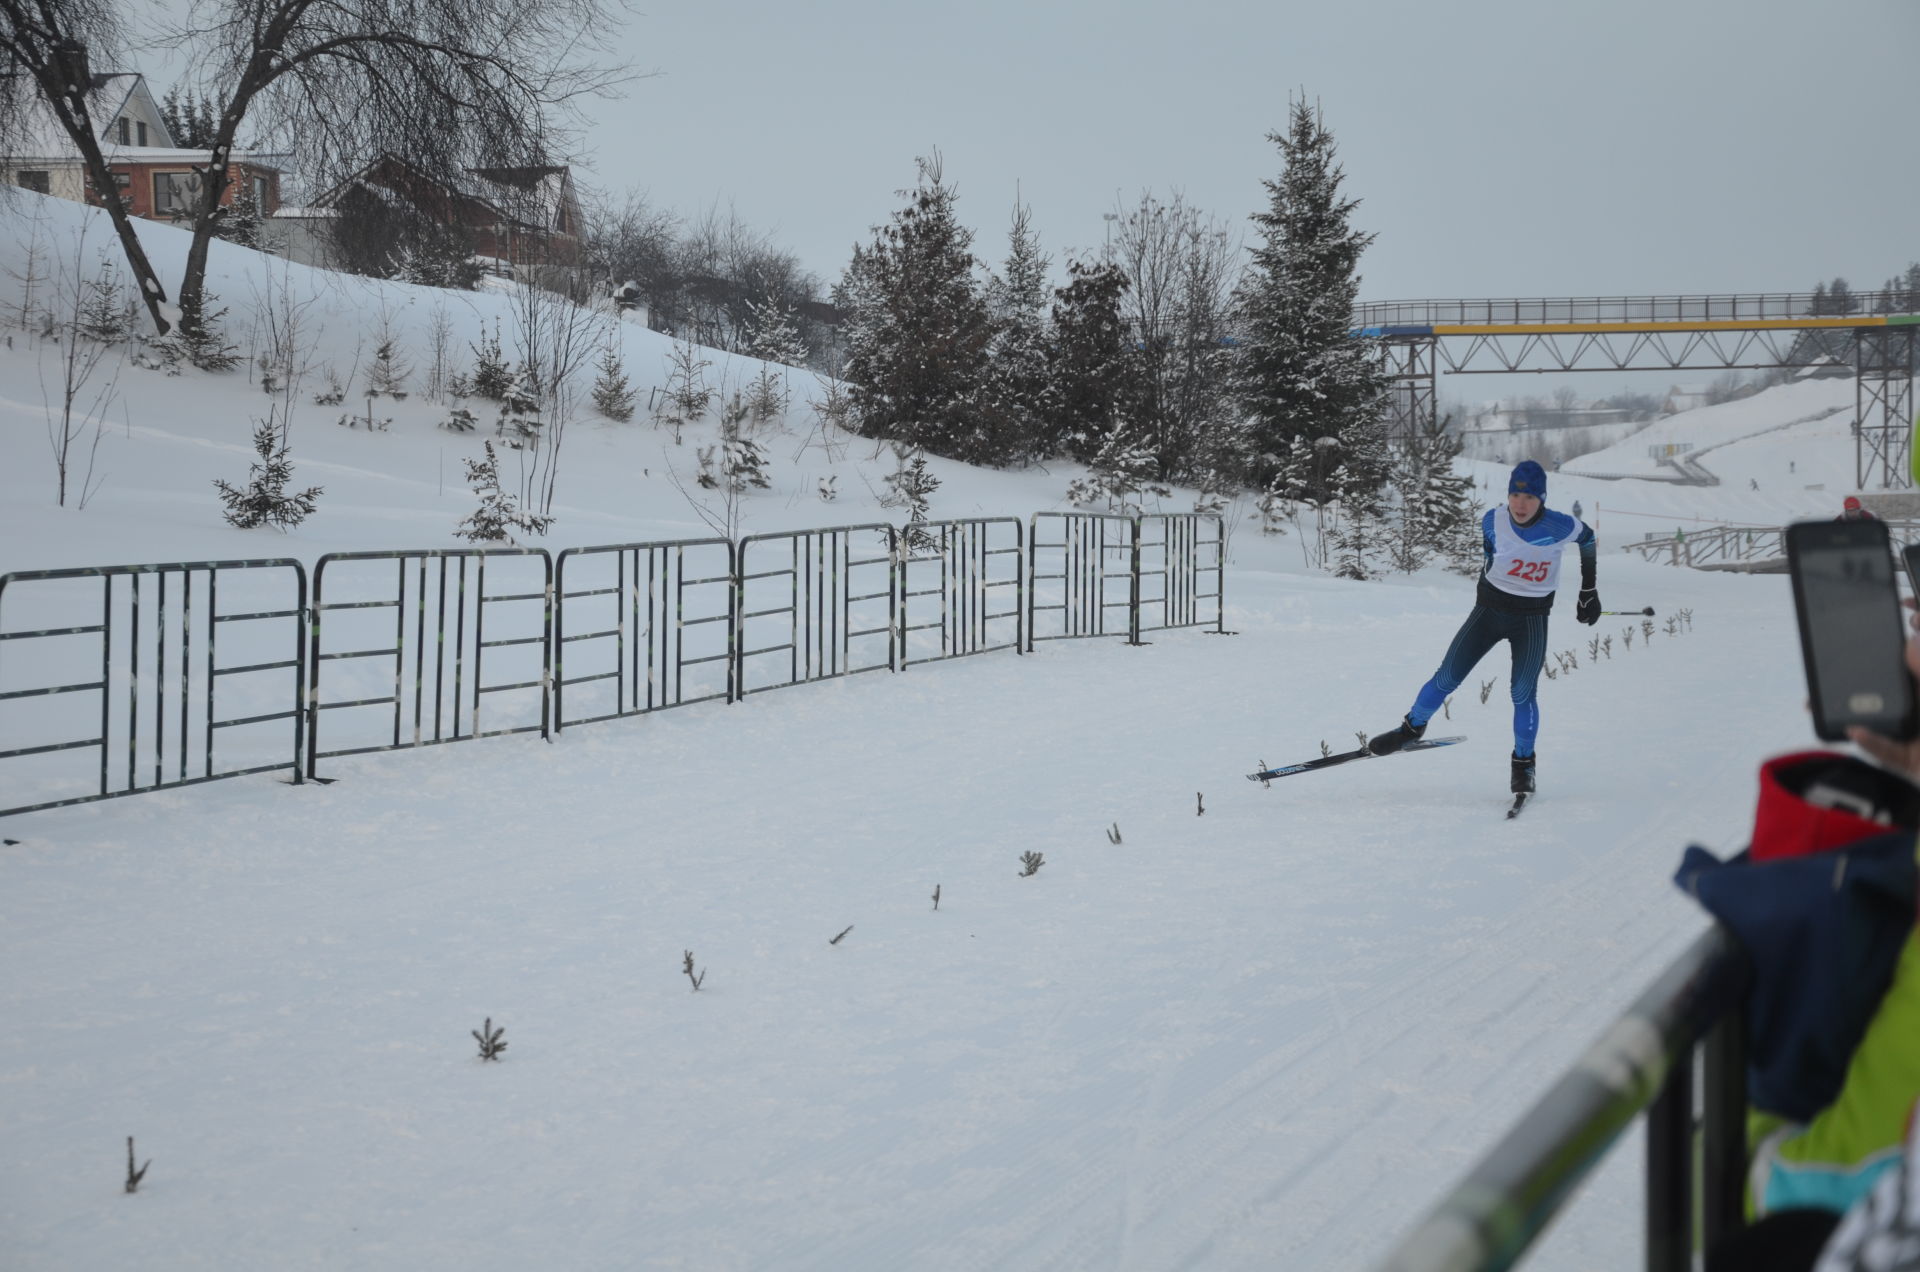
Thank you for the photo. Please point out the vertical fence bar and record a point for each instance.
(1669, 1179)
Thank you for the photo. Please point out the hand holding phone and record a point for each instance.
(1852, 632)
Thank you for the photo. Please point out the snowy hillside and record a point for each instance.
(1268, 1034)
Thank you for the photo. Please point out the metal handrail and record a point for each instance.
(1538, 309)
(1643, 1063)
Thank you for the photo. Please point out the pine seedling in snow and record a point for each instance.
(688, 395)
(936, 896)
(1113, 833)
(491, 375)
(519, 420)
(490, 1039)
(1486, 689)
(735, 463)
(334, 394)
(1031, 863)
(460, 420)
(827, 491)
(264, 500)
(613, 397)
(843, 932)
(1626, 638)
(389, 372)
(106, 311)
(910, 485)
(201, 339)
(687, 967)
(1646, 630)
(499, 514)
(135, 1176)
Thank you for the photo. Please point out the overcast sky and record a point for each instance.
(1498, 149)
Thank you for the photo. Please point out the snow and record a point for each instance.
(1269, 1036)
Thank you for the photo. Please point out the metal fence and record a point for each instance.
(1729, 547)
(1182, 567)
(139, 651)
(642, 626)
(416, 634)
(177, 673)
(1643, 1064)
(814, 605)
(953, 578)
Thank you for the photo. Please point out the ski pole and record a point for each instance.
(1647, 612)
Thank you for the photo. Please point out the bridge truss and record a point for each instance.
(1420, 340)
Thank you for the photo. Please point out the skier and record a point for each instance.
(1522, 543)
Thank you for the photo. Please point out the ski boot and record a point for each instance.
(1396, 737)
(1523, 775)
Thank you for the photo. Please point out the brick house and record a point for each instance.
(158, 180)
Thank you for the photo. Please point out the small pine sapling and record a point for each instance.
(135, 1176)
(1646, 631)
(334, 393)
(1593, 650)
(491, 375)
(827, 492)
(1199, 804)
(1113, 833)
(201, 339)
(388, 373)
(1606, 647)
(499, 513)
(1031, 863)
(687, 967)
(1486, 690)
(1626, 639)
(460, 420)
(1325, 751)
(490, 1039)
(264, 500)
(843, 932)
(613, 397)
(910, 485)
(936, 896)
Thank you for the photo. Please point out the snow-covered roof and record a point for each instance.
(42, 137)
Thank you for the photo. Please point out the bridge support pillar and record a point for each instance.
(1883, 407)
(1411, 406)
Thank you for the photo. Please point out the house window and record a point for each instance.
(259, 185)
(175, 193)
(39, 182)
(141, 131)
(122, 131)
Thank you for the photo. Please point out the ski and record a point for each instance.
(1519, 802)
(1266, 775)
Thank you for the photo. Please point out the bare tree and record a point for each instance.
(554, 338)
(76, 404)
(49, 42)
(445, 85)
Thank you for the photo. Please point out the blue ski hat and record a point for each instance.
(1528, 479)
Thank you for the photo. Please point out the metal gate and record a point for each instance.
(642, 626)
(169, 674)
(1182, 564)
(950, 587)
(417, 634)
(825, 599)
(1081, 580)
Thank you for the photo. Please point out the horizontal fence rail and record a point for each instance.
(412, 648)
(639, 627)
(961, 588)
(1645, 1064)
(815, 605)
(131, 678)
(1720, 545)
(1182, 564)
(141, 677)
(1082, 576)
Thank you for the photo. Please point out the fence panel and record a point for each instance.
(642, 626)
(118, 679)
(1183, 572)
(1082, 583)
(814, 605)
(415, 648)
(961, 588)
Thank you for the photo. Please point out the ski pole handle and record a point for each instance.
(1647, 612)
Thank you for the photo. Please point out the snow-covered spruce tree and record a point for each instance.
(387, 373)
(241, 222)
(911, 485)
(774, 338)
(613, 396)
(736, 463)
(687, 395)
(917, 356)
(1087, 366)
(201, 339)
(1125, 468)
(1017, 356)
(499, 515)
(491, 374)
(519, 421)
(264, 500)
(1298, 370)
(107, 313)
(1358, 538)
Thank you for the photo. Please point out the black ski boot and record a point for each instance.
(1396, 737)
(1523, 775)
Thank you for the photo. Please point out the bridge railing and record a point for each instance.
(1539, 309)
(1728, 544)
(1643, 1064)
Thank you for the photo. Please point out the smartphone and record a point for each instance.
(1852, 633)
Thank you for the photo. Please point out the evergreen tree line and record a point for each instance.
(1170, 357)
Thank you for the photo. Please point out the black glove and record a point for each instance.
(1588, 610)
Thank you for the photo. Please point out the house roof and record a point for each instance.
(534, 195)
(42, 137)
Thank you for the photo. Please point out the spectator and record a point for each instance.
(1852, 510)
